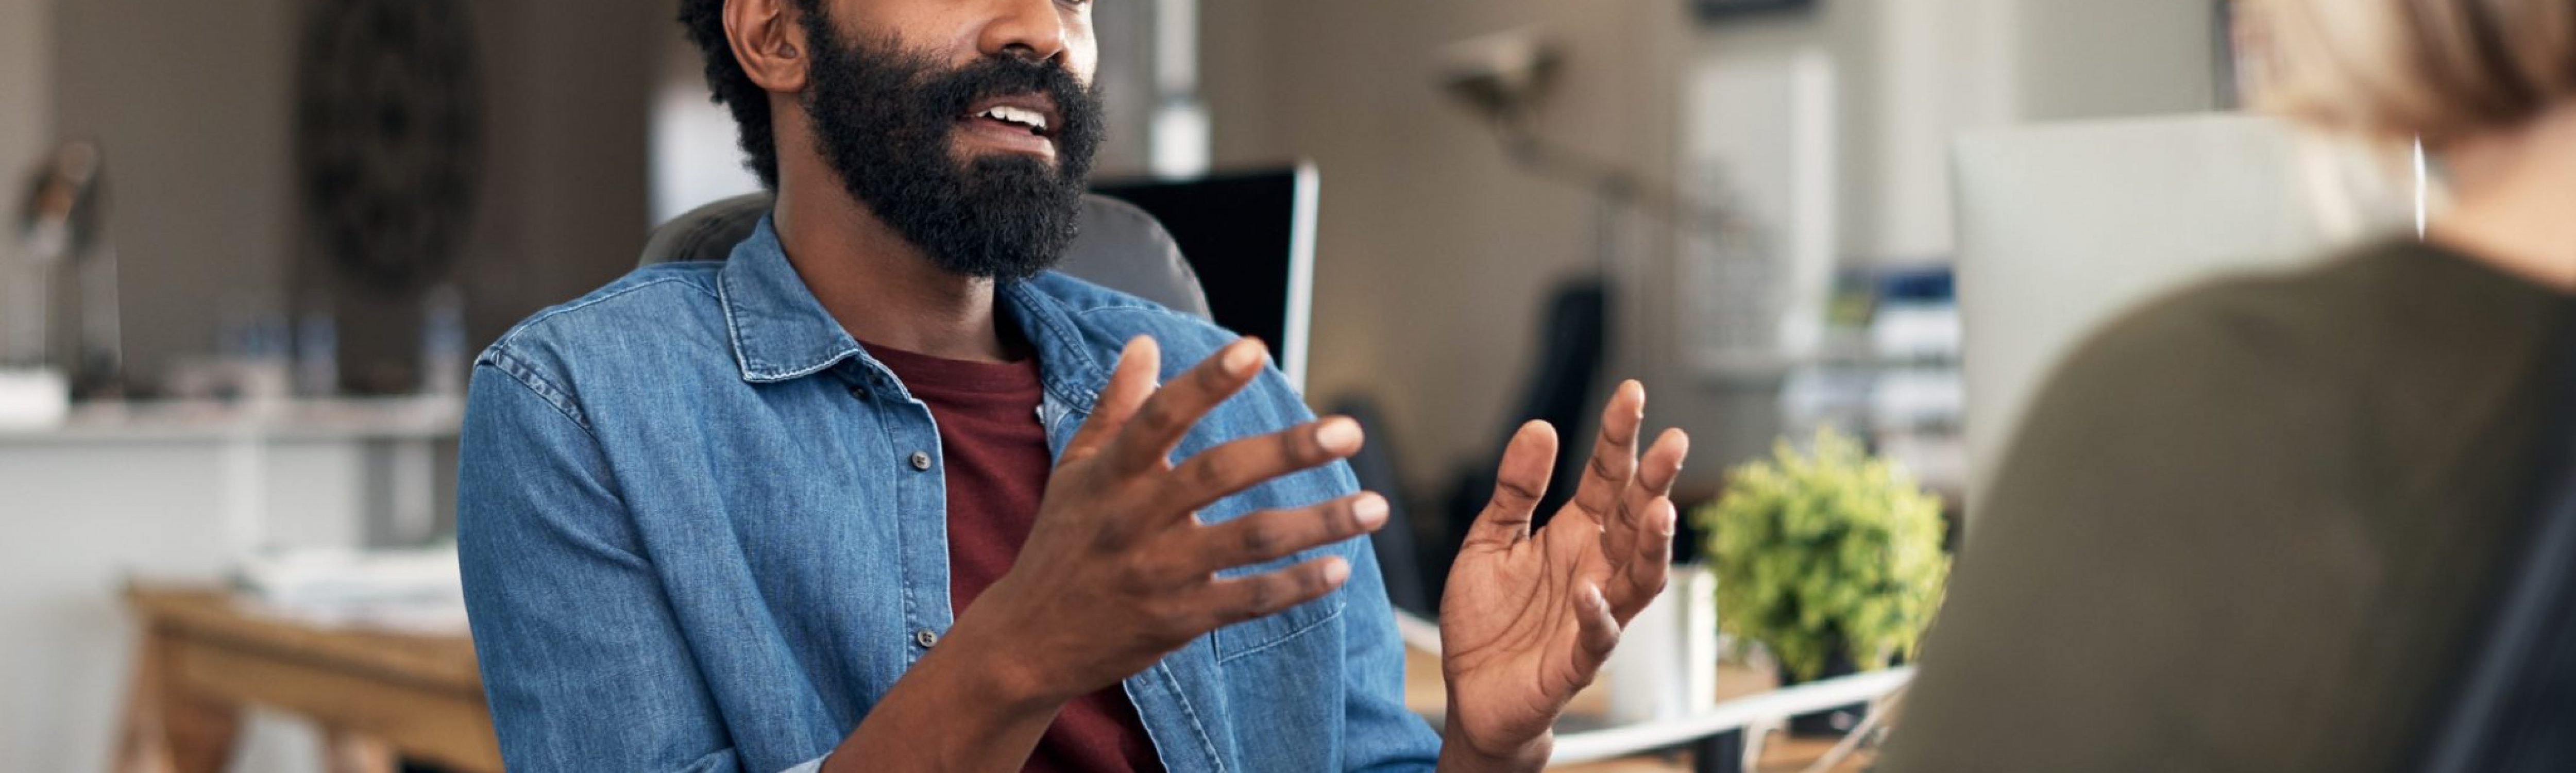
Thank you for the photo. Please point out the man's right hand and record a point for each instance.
(1118, 570)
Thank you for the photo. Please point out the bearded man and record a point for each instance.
(881, 492)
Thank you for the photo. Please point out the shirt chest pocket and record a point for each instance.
(1299, 627)
(1302, 626)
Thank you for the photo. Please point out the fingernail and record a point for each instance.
(1370, 511)
(1336, 570)
(1338, 435)
(1241, 359)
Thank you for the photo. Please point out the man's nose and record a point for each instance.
(1027, 29)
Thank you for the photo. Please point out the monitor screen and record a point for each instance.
(1250, 235)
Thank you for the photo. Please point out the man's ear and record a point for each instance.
(768, 39)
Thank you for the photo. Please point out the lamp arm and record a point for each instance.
(1662, 201)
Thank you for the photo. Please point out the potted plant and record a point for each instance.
(1831, 560)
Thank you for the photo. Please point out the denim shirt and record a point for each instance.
(703, 531)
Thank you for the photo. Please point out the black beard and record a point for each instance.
(887, 119)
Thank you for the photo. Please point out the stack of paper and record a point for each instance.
(407, 591)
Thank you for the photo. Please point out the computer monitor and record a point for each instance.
(2063, 226)
(1250, 235)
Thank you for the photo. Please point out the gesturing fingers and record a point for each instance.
(1634, 583)
(1596, 633)
(1614, 452)
(1639, 543)
(1527, 463)
(1273, 534)
(1130, 383)
(1234, 600)
(1158, 426)
(1234, 466)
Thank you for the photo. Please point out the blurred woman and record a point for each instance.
(2255, 526)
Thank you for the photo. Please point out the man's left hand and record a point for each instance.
(1528, 618)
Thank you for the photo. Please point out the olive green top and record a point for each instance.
(2246, 528)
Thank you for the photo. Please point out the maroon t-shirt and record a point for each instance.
(995, 453)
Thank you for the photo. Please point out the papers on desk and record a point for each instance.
(415, 591)
(33, 399)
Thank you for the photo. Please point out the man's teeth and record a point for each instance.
(1029, 118)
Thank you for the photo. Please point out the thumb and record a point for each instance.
(1528, 460)
(1130, 382)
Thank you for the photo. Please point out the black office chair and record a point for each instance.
(1403, 546)
(1563, 392)
(2513, 703)
(1120, 248)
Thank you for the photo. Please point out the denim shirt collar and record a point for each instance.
(781, 332)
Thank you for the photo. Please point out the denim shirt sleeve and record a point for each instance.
(582, 661)
(1379, 733)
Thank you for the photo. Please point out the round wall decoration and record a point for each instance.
(388, 135)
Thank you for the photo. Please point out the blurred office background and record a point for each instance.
(297, 270)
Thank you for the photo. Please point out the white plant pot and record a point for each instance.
(1666, 663)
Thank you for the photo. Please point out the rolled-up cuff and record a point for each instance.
(814, 765)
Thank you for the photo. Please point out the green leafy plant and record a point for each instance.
(1834, 550)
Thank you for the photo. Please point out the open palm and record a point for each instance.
(1528, 617)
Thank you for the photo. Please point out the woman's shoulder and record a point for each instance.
(2201, 469)
(2337, 321)
(2255, 363)
(2316, 319)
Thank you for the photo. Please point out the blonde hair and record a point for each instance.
(2396, 69)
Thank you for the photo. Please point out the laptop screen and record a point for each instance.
(1250, 235)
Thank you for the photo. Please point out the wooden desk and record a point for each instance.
(376, 696)
(381, 696)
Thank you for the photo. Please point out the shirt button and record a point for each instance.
(858, 393)
(921, 460)
(925, 637)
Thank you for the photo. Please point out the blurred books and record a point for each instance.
(409, 591)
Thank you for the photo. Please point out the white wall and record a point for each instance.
(2108, 58)
(25, 101)
(1943, 67)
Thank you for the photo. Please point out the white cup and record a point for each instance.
(1666, 663)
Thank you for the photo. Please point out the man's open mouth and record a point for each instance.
(1033, 113)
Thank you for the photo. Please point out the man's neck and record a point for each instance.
(882, 288)
(2512, 190)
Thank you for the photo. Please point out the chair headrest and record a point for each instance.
(1120, 247)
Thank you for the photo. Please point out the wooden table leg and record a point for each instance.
(168, 728)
